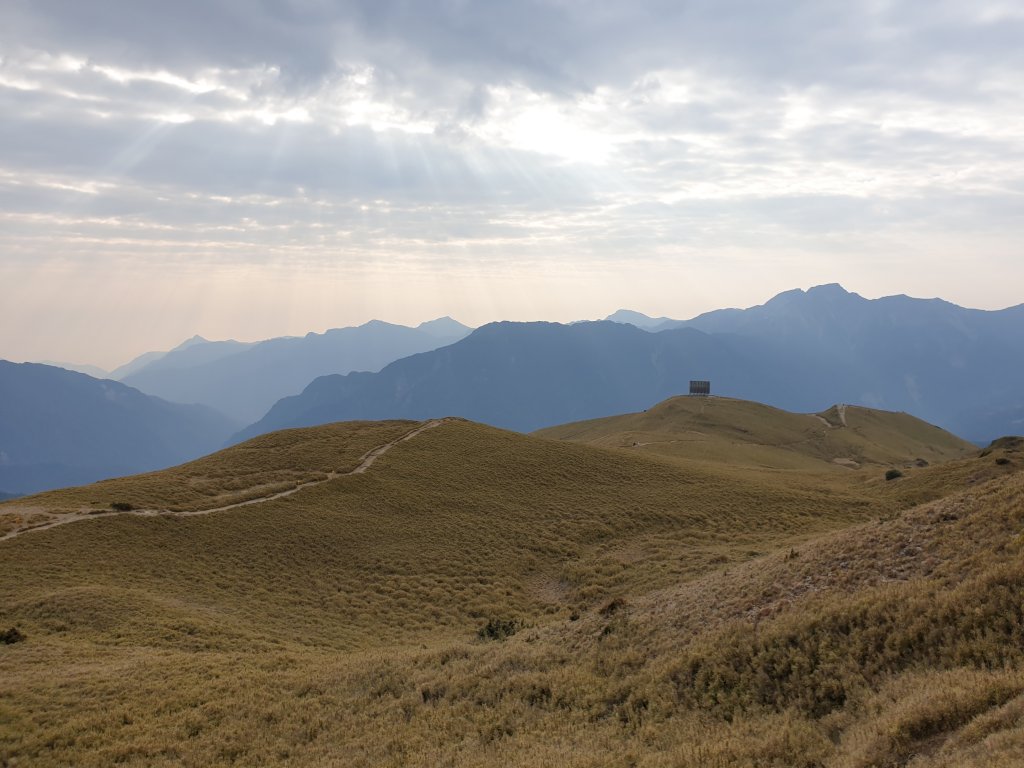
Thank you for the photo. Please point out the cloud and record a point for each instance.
(463, 134)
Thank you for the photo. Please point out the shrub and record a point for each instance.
(11, 636)
(122, 506)
(499, 629)
(892, 474)
(613, 607)
(1002, 461)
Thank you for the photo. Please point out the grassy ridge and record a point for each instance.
(671, 612)
(463, 522)
(255, 469)
(738, 432)
(252, 469)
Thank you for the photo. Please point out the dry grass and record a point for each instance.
(739, 432)
(254, 469)
(251, 469)
(461, 523)
(673, 614)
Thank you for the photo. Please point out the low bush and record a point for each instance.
(11, 636)
(499, 629)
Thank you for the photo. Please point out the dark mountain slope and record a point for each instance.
(61, 428)
(528, 375)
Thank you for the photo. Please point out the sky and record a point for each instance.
(250, 169)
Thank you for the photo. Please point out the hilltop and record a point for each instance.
(473, 594)
(739, 432)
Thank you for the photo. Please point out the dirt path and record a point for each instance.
(841, 408)
(365, 462)
(840, 412)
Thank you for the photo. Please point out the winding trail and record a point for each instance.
(365, 462)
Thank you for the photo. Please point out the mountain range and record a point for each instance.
(524, 376)
(962, 369)
(958, 367)
(243, 380)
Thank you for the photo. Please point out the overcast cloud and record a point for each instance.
(252, 169)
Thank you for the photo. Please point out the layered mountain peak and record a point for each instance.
(814, 296)
(829, 289)
(443, 326)
(639, 319)
(197, 339)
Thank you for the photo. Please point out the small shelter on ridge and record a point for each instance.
(700, 388)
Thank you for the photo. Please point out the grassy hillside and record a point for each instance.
(740, 432)
(658, 611)
(460, 523)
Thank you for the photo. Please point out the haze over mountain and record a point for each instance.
(962, 369)
(89, 370)
(245, 380)
(59, 427)
(639, 319)
(191, 352)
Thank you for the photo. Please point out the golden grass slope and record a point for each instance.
(739, 432)
(463, 522)
(671, 614)
(261, 467)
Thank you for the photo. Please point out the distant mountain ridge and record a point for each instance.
(524, 376)
(962, 369)
(243, 380)
(59, 428)
(640, 320)
(148, 358)
(89, 370)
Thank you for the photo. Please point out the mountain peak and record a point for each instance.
(825, 292)
(639, 319)
(197, 339)
(829, 289)
(443, 326)
(833, 291)
(376, 324)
